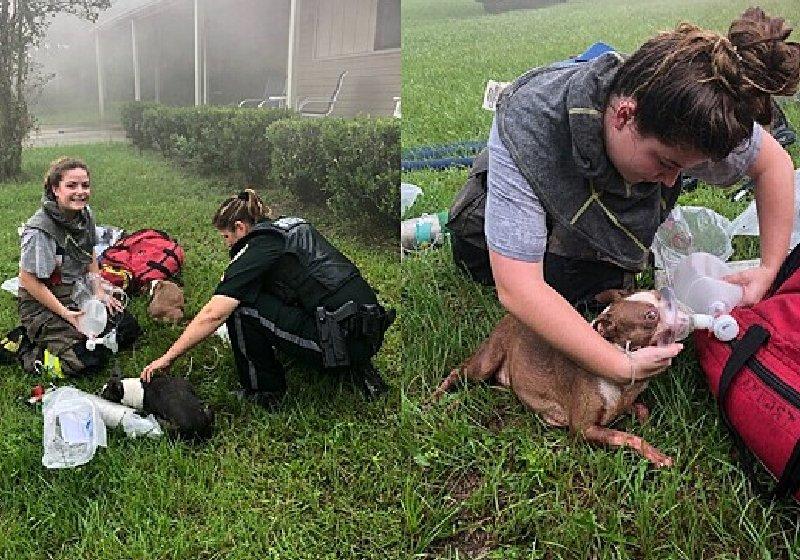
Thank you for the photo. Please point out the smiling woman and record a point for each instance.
(57, 251)
(72, 192)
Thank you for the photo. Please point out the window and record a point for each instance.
(387, 25)
(353, 27)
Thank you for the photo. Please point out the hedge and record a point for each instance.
(218, 139)
(297, 160)
(352, 165)
(363, 157)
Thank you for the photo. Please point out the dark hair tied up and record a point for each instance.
(700, 90)
(246, 207)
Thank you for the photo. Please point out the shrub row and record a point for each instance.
(220, 139)
(352, 165)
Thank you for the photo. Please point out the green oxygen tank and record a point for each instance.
(426, 231)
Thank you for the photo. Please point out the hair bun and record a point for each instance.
(770, 65)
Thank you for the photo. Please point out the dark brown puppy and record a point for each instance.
(561, 391)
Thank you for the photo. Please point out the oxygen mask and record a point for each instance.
(679, 321)
(676, 319)
(92, 295)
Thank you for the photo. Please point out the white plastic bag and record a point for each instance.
(222, 332)
(106, 236)
(408, 194)
(73, 428)
(11, 285)
(691, 229)
(746, 223)
(75, 425)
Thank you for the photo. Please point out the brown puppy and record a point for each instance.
(564, 393)
(167, 301)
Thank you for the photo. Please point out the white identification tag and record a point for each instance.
(492, 94)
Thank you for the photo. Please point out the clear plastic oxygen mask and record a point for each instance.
(679, 322)
(91, 294)
(675, 318)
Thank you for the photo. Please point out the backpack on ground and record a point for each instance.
(756, 379)
(465, 223)
(147, 254)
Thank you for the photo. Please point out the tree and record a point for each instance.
(23, 24)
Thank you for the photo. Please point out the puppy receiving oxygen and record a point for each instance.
(172, 400)
(564, 393)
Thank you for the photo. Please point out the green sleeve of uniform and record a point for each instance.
(244, 277)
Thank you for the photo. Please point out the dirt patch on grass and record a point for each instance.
(474, 533)
(462, 488)
(472, 543)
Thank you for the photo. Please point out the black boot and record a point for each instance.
(367, 379)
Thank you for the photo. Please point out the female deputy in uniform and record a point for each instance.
(285, 288)
(584, 163)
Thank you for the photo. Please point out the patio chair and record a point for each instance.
(326, 104)
(274, 94)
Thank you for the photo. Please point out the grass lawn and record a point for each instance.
(492, 480)
(49, 115)
(317, 479)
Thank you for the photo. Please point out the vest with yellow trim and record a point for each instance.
(551, 121)
(310, 268)
(67, 246)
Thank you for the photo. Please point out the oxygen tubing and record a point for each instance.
(457, 154)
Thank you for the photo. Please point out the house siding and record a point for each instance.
(373, 77)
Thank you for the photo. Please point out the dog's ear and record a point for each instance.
(610, 296)
(605, 326)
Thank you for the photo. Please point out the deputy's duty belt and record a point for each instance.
(332, 339)
(334, 328)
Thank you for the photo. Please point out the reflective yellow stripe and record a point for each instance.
(586, 204)
(625, 230)
(52, 365)
(10, 345)
(595, 196)
(584, 111)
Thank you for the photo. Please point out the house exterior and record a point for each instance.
(360, 36)
(221, 52)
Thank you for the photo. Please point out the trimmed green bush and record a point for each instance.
(298, 163)
(132, 120)
(352, 165)
(216, 139)
(363, 158)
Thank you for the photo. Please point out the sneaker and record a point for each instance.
(265, 399)
(369, 381)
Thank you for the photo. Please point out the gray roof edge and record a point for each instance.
(109, 18)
